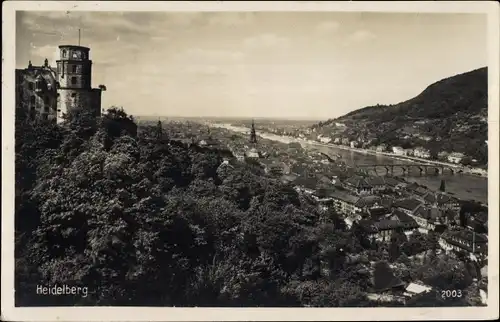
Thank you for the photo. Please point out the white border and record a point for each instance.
(11, 313)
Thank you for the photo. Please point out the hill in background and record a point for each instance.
(450, 115)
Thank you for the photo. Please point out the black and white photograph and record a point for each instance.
(281, 155)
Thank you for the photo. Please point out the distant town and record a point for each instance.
(378, 206)
(342, 137)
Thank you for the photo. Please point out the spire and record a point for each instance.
(29, 64)
(159, 130)
(253, 136)
(46, 62)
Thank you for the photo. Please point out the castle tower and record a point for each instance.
(253, 135)
(74, 76)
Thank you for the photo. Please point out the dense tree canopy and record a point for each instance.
(144, 220)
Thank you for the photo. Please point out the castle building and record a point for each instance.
(50, 94)
(74, 75)
(36, 91)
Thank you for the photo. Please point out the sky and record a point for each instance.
(296, 65)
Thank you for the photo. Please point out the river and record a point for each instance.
(463, 186)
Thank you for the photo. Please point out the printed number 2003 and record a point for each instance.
(451, 293)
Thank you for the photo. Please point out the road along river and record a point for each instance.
(463, 186)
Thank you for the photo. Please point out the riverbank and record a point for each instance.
(478, 172)
(462, 185)
(467, 170)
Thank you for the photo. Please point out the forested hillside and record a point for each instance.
(451, 112)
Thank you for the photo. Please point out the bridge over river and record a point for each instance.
(423, 168)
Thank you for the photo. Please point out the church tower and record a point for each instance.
(74, 76)
(253, 135)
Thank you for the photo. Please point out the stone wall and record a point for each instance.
(78, 98)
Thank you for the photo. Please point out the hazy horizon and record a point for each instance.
(172, 116)
(274, 65)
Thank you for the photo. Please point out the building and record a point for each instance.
(275, 168)
(464, 240)
(209, 142)
(408, 206)
(371, 204)
(398, 150)
(378, 211)
(407, 222)
(416, 288)
(417, 192)
(383, 229)
(430, 218)
(345, 203)
(455, 157)
(349, 204)
(477, 222)
(36, 91)
(377, 183)
(392, 183)
(443, 155)
(354, 144)
(323, 139)
(253, 153)
(381, 148)
(421, 152)
(442, 201)
(357, 185)
(409, 152)
(50, 94)
(74, 76)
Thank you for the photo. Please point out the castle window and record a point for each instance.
(64, 53)
(31, 86)
(73, 68)
(32, 99)
(73, 80)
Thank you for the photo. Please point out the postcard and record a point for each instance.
(249, 161)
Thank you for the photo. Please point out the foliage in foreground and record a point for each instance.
(141, 220)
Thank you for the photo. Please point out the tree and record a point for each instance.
(467, 160)
(398, 238)
(416, 244)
